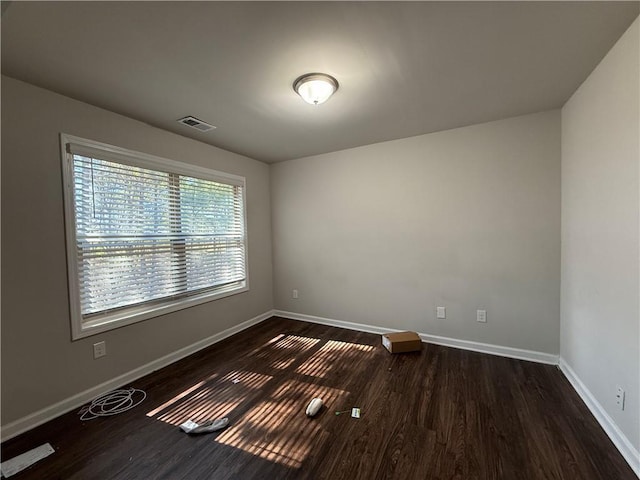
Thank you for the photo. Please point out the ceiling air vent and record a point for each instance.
(193, 122)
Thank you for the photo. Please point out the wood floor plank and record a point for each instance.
(441, 413)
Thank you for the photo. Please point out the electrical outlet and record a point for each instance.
(620, 398)
(294, 293)
(99, 349)
(481, 316)
(441, 312)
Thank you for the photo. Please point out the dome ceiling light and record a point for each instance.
(315, 88)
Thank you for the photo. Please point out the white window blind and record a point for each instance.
(146, 235)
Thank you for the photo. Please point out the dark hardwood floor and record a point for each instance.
(438, 414)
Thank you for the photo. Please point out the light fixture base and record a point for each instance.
(315, 88)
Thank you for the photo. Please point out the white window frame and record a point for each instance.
(110, 320)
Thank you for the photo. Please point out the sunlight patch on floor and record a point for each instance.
(180, 396)
(281, 351)
(210, 400)
(335, 355)
(277, 428)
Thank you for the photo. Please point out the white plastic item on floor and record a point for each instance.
(314, 407)
(25, 460)
(206, 427)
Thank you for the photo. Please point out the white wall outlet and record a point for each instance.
(441, 312)
(294, 293)
(99, 349)
(481, 316)
(620, 398)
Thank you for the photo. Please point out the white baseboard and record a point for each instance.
(361, 327)
(49, 413)
(510, 352)
(619, 439)
(520, 354)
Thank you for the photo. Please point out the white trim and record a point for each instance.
(136, 314)
(49, 413)
(518, 353)
(510, 352)
(86, 147)
(619, 439)
(80, 328)
(361, 327)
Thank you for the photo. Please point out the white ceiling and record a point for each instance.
(405, 68)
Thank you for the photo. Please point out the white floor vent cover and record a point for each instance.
(19, 463)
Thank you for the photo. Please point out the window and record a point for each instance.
(147, 236)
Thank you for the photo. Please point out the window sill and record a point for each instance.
(111, 321)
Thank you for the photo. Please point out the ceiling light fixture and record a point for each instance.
(315, 88)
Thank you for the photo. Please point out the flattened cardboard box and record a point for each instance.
(401, 342)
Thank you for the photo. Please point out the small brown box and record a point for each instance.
(401, 342)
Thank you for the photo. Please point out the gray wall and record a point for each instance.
(40, 365)
(381, 235)
(466, 218)
(600, 326)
